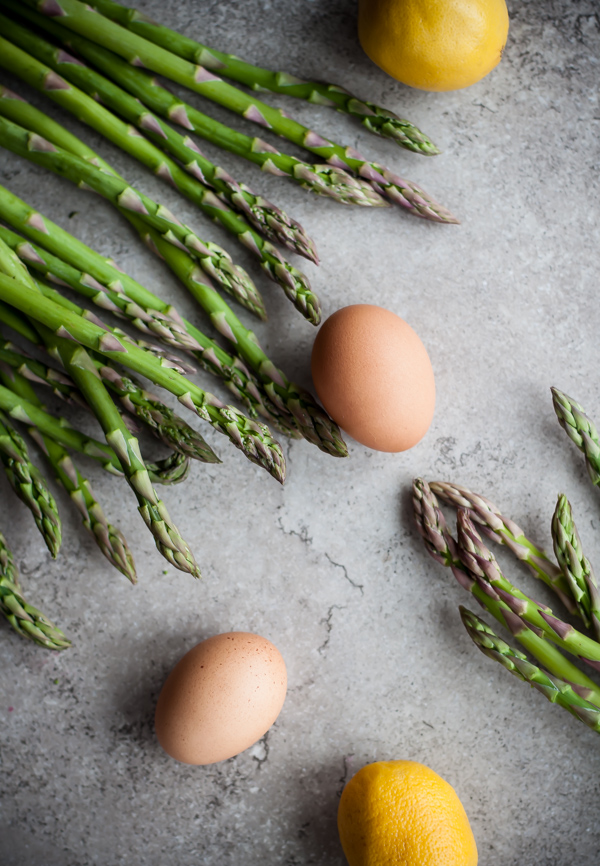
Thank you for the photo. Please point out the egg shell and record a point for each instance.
(220, 698)
(373, 375)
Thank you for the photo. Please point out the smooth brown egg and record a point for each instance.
(220, 698)
(373, 375)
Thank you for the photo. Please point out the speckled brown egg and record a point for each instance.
(373, 375)
(220, 698)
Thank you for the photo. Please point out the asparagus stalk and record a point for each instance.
(109, 539)
(376, 119)
(147, 407)
(326, 180)
(25, 619)
(575, 565)
(555, 690)
(293, 402)
(252, 438)
(95, 267)
(480, 561)
(266, 218)
(232, 278)
(29, 484)
(580, 429)
(147, 320)
(505, 531)
(135, 49)
(444, 549)
(40, 151)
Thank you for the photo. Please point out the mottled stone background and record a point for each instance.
(330, 567)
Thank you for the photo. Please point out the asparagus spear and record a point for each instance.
(266, 218)
(135, 49)
(160, 418)
(557, 691)
(580, 428)
(26, 620)
(232, 278)
(443, 547)
(250, 436)
(294, 403)
(29, 484)
(575, 565)
(39, 228)
(324, 179)
(109, 539)
(377, 120)
(504, 530)
(40, 151)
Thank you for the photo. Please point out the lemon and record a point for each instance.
(434, 44)
(401, 813)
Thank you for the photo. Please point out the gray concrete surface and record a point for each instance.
(330, 567)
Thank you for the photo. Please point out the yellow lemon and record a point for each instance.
(434, 44)
(401, 813)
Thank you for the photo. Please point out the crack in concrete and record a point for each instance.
(303, 535)
(359, 586)
(329, 625)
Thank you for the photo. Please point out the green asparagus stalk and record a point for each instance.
(266, 218)
(324, 179)
(444, 549)
(575, 565)
(40, 151)
(294, 402)
(555, 690)
(481, 562)
(212, 357)
(252, 438)
(148, 321)
(137, 50)
(580, 429)
(109, 539)
(505, 531)
(29, 484)
(147, 407)
(378, 120)
(25, 619)
(44, 78)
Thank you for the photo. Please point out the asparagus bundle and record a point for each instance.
(232, 278)
(266, 217)
(378, 120)
(139, 51)
(534, 625)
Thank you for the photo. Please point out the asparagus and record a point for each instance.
(293, 402)
(326, 180)
(504, 530)
(575, 565)
(40, 151)
(266, 218)
(444, 549)
(376, 119)
(109, 539)
(147, 320)
(232, 278)
(580, 428)
(25, 619)
(555, 690)
(95, 267)
(135, 49)
(252, 438)
(29, 484)
(160, 418)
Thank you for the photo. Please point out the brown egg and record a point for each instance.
(220, 698)
(373, 375)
